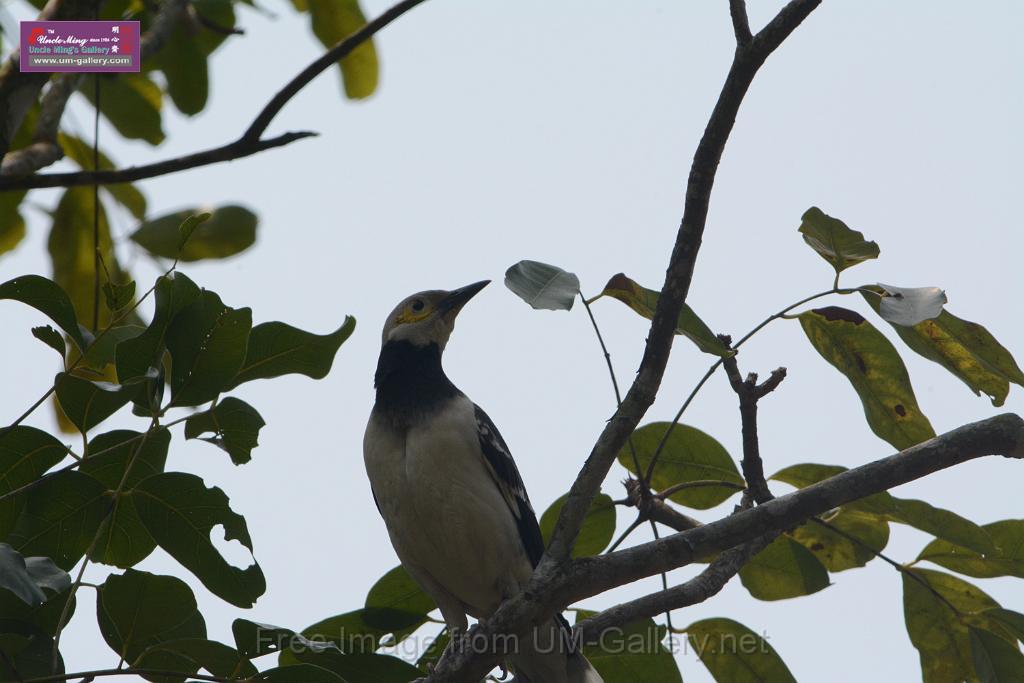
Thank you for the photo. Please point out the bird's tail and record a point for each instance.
(545, 656)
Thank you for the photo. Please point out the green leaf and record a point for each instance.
(25, 454)
(435, 648)
(183, 61)
(397, 603)
(335, 20)
(48, 298)
(125, 540)
(88, 403)
(298, 673)
(60, 518)
(909, 306)
(362, 667)
(277, 349)
(1012, 621)
(785, 569)
(834, 241)
(735, 654)
(32, 652)
(633, 652)
(874, 368)
(12, 224)
(995, 660)
(72, 252)
(934, 628)
(173, 294)
(254, 639)
(806, 474)
(118, 296)
(180, 512)
(689, 455)
(43, 617)
(51, 338)
(1006, 560)
(217, 658)
(229, 230)
(103, 351)
(598, 526)
(124, 194)
(26, 577)
(137, 610)
(966, 349)
(235, 424)
(543, 286)
(207, 342)
(644, 301)
(349, 633)
(189, 225)
(941, 524)
(131, 103)
(837, 551)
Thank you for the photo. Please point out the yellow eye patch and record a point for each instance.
(411, 316)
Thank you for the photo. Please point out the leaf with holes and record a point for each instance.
(277, 349)
(207, 342)
(543, 286)
(785, 569)
(180, 512)
(735, 654)
(644, 301)
(235, 425)
(184, 235)
(874, 368)
(835, 241)
(690, 456)
(965, 349)
(137, 610)
(836, 548)
(597, 530)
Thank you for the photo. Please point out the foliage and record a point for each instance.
(960, 633)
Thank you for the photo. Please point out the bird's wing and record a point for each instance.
(505, 474)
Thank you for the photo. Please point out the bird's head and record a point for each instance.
(428, 317)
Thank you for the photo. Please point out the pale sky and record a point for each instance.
(562, 131)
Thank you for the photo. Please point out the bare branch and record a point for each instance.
(249, 143)
(641, 394)
(556, 585)
(695, 591)
(740, 23)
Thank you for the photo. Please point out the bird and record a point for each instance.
(448, 489)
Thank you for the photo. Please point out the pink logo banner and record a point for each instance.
(82, 46)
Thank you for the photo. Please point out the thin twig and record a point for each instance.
(131, 671)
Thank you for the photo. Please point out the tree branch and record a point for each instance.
(249, 143)
(693, 592)
(746, 62)
(557, 585)
(740, 23)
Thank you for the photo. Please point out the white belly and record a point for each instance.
(443, 511)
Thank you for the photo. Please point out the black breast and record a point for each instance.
(410, 381)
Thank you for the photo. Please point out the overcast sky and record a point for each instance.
(562, 131)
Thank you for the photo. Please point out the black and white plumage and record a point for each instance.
(451, 496)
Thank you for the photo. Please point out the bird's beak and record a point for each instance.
(457, 298)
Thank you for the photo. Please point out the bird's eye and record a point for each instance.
(417, 305)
